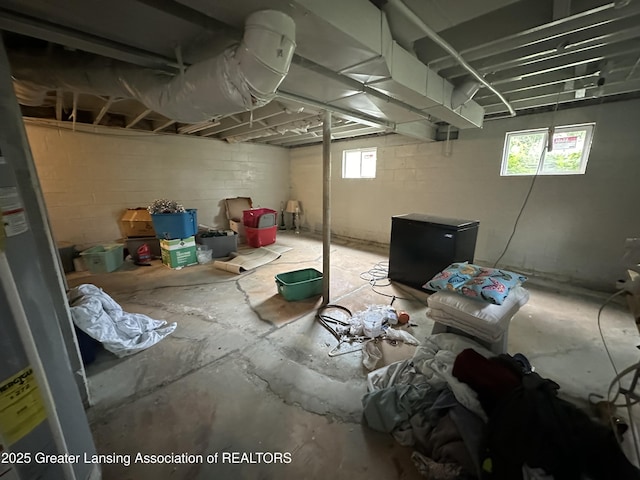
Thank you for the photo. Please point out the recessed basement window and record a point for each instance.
(527, 152)
(359, 163)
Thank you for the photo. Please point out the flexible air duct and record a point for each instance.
(244, 77)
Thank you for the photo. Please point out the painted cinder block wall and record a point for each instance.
(90, 176)
(572, 229)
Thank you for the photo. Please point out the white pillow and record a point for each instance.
(489, 332)
(487, 317)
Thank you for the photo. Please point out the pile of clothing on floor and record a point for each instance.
(469, 414)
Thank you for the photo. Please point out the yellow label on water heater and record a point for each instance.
(21, 406)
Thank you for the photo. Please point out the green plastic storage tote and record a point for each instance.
(299, 284)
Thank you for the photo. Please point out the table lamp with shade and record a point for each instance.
(293, 207)
(282, 226)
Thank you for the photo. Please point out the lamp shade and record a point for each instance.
(293, 206)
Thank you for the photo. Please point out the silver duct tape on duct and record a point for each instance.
(244, 77)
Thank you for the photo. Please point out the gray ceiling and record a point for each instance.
(363, 60)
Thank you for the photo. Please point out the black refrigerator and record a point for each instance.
(423, 245)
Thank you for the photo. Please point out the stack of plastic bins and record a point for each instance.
(260, 226)
(138, 231)
(176, 232)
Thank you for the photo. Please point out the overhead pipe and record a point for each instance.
(415, 19)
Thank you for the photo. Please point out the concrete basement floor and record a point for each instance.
(246, 371)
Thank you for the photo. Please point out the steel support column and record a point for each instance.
(326, 207)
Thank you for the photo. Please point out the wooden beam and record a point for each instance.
(138, 118)
(59, 105)
(196, 127)
(103, 111)
(164, 125)
(270, 110)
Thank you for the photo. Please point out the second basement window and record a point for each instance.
(360, 163)
(527, 152)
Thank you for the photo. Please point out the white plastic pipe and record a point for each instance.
(429, 32)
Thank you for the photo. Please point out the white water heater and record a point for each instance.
(44, 432)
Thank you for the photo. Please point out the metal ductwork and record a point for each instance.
(385, 68)
(244, 77)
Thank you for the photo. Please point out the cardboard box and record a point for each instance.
(179, 253)
(136, 222)
(238, 227)
(235, 207)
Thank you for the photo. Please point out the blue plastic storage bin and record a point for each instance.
(170, 226)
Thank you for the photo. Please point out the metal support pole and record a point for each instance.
(326, 206)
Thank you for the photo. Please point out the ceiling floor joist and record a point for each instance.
(138, 118)
(554, 30)
(103, 111)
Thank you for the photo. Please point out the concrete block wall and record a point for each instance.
(90, 176)
(572, 229)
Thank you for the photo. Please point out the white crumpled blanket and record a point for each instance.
(433, 364)
(99, 316)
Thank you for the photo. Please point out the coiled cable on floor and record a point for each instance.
(378, 276)
(343, 337)
(379, 272)
(325, 320)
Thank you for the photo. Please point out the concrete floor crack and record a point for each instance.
(330, 416)
(171, 308)
(248, 302)
(316, 259)
(565, 351)
(96, 412)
